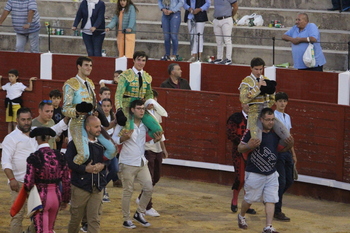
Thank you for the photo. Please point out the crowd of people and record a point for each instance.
(91, 18)
(80, 176)
(263, 153)
(262, 148)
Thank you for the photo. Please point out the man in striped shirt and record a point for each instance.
(25, 21)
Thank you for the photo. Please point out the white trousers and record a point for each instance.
(223, 32)
(194, 28)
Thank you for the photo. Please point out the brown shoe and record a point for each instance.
(281, 217)
(117, 183)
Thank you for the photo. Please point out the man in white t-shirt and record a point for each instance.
(133, 164)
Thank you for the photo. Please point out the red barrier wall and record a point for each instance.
(308, 85)
(303, 85)
(64, 67)
(27, 64)
(196, 126)
(222, 78)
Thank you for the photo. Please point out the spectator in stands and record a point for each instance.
(300, 35)
(175, 80)
(124, 21)
(336, 5)
(13, 99)
(261, 178)
(56, 98)
(25, 21)
(196, 16)
(171, 20)
(235, 128)
(92, 15)
(114, 81)
(224, 10)
(285, 160)
(154, 153)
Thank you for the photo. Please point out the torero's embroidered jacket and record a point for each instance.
(250, 93)
(75, 92)
(128, 86)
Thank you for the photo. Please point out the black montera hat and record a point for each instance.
(42, 131)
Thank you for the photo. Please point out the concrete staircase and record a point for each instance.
(248, 41)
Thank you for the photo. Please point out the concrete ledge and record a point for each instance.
(227, 168)
(242, 53)
(202, 165)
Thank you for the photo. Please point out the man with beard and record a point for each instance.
(16, 147)
(175, 80)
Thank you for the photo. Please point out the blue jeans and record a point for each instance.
(112, 170)
(93, 44)
(284, 168)
(171, 26)
(22, 39)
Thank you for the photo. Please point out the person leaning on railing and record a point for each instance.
(124, 21)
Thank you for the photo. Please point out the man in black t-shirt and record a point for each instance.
(261, 177)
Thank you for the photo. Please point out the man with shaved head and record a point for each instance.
(88, 180)
(300, 35)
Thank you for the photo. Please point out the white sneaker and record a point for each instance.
(137, 200)
(152, 212)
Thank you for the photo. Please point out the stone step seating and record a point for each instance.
(151, 30)
(149, 21)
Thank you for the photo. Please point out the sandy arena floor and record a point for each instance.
(190, 206)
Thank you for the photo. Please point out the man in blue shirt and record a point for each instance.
(261, 177)
(300, 35)
(25, 21)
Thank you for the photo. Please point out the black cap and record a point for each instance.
(42, 131)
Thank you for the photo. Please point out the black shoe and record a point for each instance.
(128, 224)
(165, 58)
(251, 211)
(139, 217)
(333, 9)
(234, 208)
(84, 227)
(281, 217)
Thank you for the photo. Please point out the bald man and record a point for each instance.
(88, 180)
